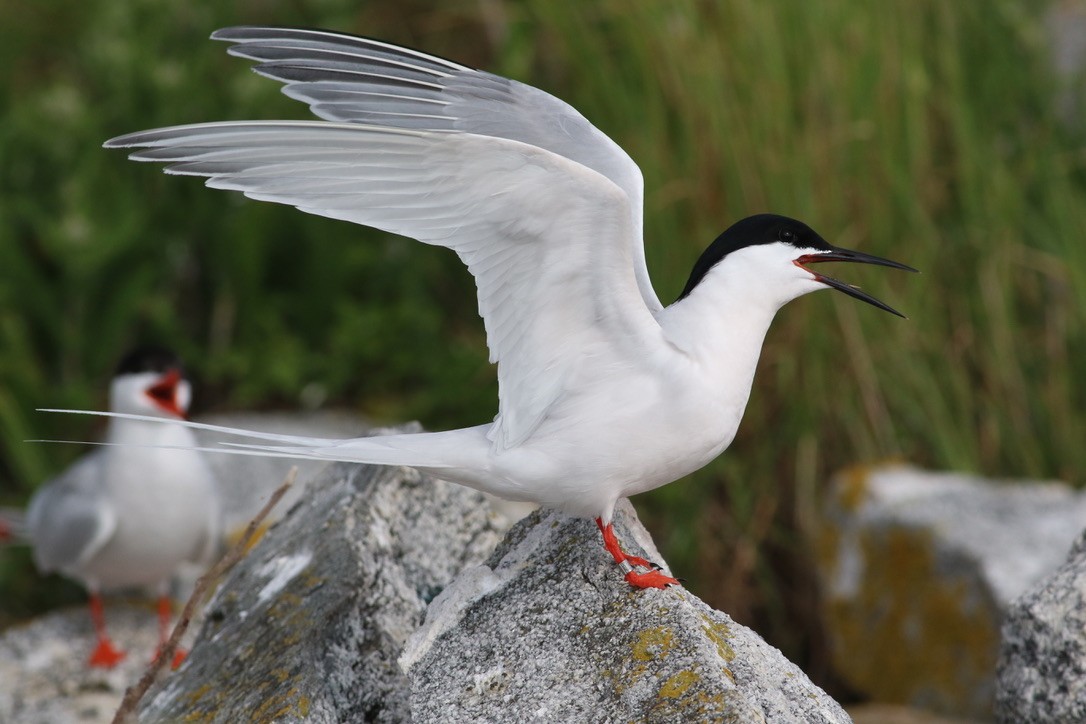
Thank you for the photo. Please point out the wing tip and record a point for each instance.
(238, 33)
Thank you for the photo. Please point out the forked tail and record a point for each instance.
(464, 448)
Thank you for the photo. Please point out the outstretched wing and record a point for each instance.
(345, 78)
(549, 240)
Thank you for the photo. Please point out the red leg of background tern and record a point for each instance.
(165, 614)
(105, 654)
(652, 579)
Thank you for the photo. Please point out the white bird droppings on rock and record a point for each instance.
(280, 571)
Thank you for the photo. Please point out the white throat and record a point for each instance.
(722, 322)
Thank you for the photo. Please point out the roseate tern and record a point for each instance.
(603, 391)
(131, 513)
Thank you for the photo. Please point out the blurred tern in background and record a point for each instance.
(130, 514)
(603, 392)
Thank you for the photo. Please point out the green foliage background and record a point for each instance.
(921, 130)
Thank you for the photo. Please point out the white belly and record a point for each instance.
(620, 441)
(167, 513)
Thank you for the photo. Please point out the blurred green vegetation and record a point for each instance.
(920, 130)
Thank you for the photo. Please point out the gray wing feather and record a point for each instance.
(350, 79)
(68, 520)
(548, 240)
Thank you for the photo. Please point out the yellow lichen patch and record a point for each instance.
(201, 706)
(718, 633)
(678, 683)
(235, 535)
(280, 675)
(851, 487)
(280, 706)
(653, 643)
(289, 609)
(914, 632)
(695, 705)
(197, 694)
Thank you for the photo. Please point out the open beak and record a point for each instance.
(854, 256)
(164, 393)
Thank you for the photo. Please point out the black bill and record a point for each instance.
(850, 289)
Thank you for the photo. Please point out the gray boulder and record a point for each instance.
(918, 571)
(548, 631)
(1042, 661)
(320, 622)
(307, 627)
(311, 625)
(44, 677)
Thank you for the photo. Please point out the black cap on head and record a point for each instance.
(149, 358)
(752, 231)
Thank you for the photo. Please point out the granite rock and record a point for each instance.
(1042, 661)
(369, 600)
(308, 625)
(44, 677)
(918, 570)
(547, 630)
(321, 623)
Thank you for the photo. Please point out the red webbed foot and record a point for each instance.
(105, 655)
(651, 579)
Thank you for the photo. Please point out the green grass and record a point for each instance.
(920, 130)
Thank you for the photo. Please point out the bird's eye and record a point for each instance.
(786, 235)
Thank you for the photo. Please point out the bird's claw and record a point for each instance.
(652, 579)
(643, 562)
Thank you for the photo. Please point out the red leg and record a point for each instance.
(105, 654)
(652, 579)
(165, 614)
